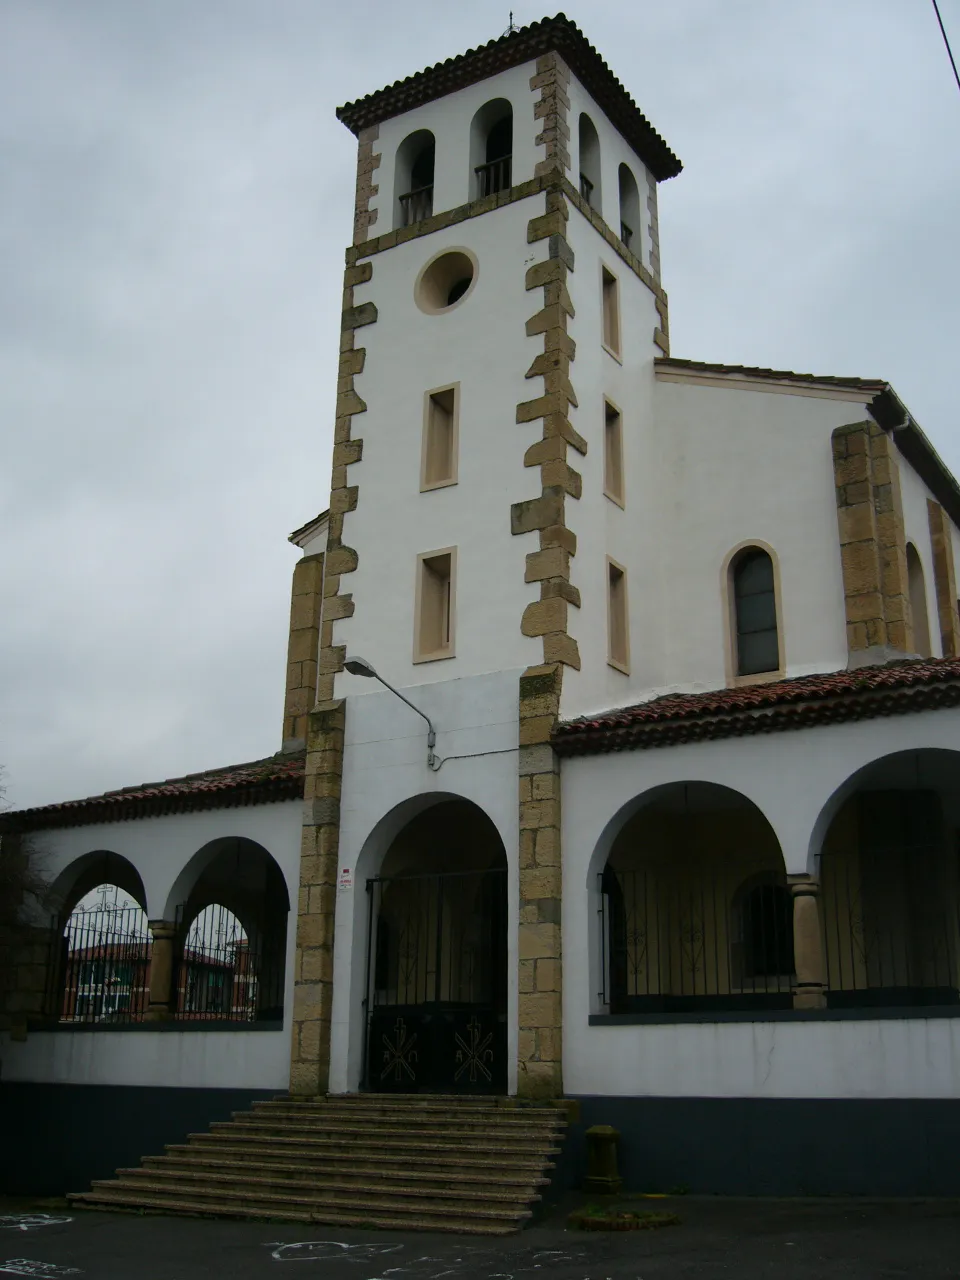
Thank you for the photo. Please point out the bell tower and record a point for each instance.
(501, 313)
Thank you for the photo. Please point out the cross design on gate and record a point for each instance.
(474, 1055)
(399, 1053)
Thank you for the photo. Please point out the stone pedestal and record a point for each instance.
(603, 1175)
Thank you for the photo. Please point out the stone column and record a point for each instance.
(807, 943)
(540, 1073)
(162, 996)
(319, 855)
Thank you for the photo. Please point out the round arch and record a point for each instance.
(86, 873)
(688, 905)
(429, 947)
(230, 904)
(491, 148)
(235, 871)
(884, 849)
(917, 768)
(413, 175)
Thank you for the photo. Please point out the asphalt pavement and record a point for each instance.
(749, 1239)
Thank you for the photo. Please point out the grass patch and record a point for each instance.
(607, 1218)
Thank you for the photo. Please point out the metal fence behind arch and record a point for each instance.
(100, 965)
(694, 943)
(223, 975)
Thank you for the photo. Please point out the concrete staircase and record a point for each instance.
(398, 1162)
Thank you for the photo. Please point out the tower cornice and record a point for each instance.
(550, 35)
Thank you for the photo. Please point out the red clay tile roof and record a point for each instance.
(558, 35)
(866, 693)
(279, 777)
(873, 386)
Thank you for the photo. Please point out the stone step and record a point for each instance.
(142, 1203)
(416, 1162)
(320, 1155)
(352, 1119)
(347, 1168)
(528, 1143)
(408, 1103)
(462, 1101)
(406, 1183)
(355, 1200)
(391, 1116)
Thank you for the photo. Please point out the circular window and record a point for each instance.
(445, 280)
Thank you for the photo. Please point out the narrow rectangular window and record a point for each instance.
(611, 312)
(435, 605)
(618, 640)
(612, 453)
(438, 459)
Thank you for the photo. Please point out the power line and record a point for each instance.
(943, 32)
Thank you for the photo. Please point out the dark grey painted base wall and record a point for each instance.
(56, 1138)
(777, 1146)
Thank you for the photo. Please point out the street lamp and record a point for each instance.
(361, 667)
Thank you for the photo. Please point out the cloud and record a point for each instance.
(176, 200)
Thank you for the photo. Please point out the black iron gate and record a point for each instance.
(437, 984)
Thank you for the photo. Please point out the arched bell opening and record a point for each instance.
(413, 178)
(491, 148)
(437, 957)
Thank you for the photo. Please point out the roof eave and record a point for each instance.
(890, 413)
(557, 34)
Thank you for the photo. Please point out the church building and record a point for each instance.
(619, 779)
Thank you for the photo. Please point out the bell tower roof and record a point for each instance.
(550, 35)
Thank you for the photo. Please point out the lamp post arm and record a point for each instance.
(432, 735)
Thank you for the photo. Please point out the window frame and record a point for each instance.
(614, 352)
(917, 594)
(729, 606)
(426, 486)
(420, 654)
(616, 495)
(613, 660)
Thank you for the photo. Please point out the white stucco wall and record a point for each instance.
(740, 466)
(482, 344)
(385, 776)
(797, 780)
(896, 1058)
(628, 534)
(161, 850)
(167, 1059)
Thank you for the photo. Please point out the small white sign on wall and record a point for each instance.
(346, 880)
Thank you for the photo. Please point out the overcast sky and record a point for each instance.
(175, 198)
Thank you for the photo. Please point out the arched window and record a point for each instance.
(491, 148)
(413, 178)
(104, 959)
(217, 974)
(763, 929)
(757, 642)
(629, 209)
(918, 603)
(695, 911)
(589, 163)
